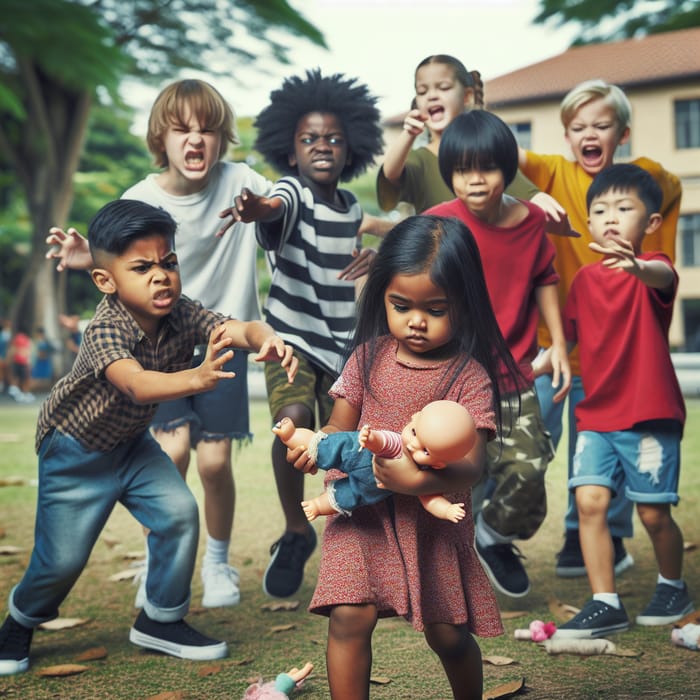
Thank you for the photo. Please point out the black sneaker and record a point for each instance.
(503, 566)
(669, 604)
(15, 640)
(570, 558)
(285, 572)
(595, 620)
(175, 638)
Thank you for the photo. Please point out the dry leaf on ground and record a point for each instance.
(126, 574)
(9, 550)
(168, 695)
(15, 481)
(562, 611)
(380, 680)
(242, 662)
(93, 654)
(281, 605)
(62, 670)
(498, 660)
(64, 623)
(282, 628)
(506, 690)
(689, 546)
(209, 670)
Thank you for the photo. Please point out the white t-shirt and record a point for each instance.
(219, 272)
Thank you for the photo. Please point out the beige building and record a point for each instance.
(660, 74)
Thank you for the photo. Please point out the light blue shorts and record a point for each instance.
(649, 461)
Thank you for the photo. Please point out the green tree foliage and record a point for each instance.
(56, 56)
(609, 20)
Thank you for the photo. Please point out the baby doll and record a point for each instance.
(441, 433)
(281, 688)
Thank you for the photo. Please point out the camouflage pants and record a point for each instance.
(512, 496)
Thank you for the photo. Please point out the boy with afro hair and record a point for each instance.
(317, 131)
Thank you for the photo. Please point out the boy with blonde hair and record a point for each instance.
(596, 119)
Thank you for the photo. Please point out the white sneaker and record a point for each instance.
(221, 585)
(140, 581)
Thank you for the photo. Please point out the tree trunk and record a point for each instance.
(57, 120)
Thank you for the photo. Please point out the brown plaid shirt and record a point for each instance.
(86, 406)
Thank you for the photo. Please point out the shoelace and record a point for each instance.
(290, 548)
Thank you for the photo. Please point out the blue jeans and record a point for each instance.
(78, 490)
(620, 510)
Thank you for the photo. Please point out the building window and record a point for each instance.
(689, 226)
(691, 324)
(687, 114)
(523, 134)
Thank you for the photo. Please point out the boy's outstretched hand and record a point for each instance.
(72, 253)
(211, 371)
(248, 206)
(274, 349)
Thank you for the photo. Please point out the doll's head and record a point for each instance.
(441, 433)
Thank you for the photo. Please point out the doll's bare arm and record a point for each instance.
(442, 508)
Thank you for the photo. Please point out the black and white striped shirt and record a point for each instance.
(308, 305)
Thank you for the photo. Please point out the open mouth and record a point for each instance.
(194, 158)
(436, 113)
(591, 153)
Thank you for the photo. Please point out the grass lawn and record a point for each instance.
(264, 642)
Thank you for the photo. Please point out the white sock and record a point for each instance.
(487, 536)
(675, 582)
(611, 599)
(217, 551)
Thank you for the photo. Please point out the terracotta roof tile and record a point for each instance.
(657, 58)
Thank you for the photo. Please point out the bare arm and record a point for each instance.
(548, 303)
(397, 153)
(249, 206)
(620, 255)
(144, 386)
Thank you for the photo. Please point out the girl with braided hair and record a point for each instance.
(444, 89)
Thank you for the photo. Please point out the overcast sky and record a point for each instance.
(381, 41)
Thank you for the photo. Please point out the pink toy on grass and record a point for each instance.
(538, 631)
(281, 687)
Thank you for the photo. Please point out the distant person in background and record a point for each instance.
(5, 335)
(42, 374)
(20, 361)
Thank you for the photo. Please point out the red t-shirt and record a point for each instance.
(621, 326)
(516, 260)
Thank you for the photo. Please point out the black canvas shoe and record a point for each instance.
(596, 619)
(15, 640)
(285, 572)
(504, 568)
(669, 604)
(175, 638)
(570, 558)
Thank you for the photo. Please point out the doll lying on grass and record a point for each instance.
(441, 433)
(281, 688)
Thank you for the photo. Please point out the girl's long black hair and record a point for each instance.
(447, 251)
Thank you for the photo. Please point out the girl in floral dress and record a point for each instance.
(425, 331)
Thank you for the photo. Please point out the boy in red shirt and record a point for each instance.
(631, 420)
